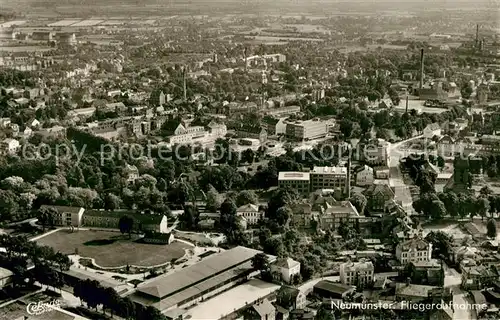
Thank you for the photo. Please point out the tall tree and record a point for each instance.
(126, 224)
(491, 227)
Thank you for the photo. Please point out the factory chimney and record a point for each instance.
(184, 90)
(245, 57)
(348, 182)
(421, 68)
(477, 35)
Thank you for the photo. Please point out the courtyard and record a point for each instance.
(112, 249)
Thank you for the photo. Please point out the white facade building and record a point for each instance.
(414, 250)
(356, 273)
(287, 267)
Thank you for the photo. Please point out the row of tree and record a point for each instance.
(95, 295)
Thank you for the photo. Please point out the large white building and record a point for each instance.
(306, 130)
(356, 273)
(414, 250)
(287, 267)
(251, 213)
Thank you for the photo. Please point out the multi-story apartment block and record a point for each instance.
(414, 250)
(296, 180)
(356, 273)
(306, 130)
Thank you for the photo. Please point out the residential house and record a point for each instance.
(288, 268)
(10, 146)
(375, 152)
(262, 310)
(66, 216)
(34, 123)
(464, 256)
(131, 173)
(251, 213)
(479, 277)
(331, 290)
(297, 299)
(413, 250)
(378, 195)
(302, 215)
(364, 176)
(432, 130)
(4, 122)
(359, 274)
(217, 130)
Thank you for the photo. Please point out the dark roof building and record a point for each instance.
(329, 289)
(199, 281)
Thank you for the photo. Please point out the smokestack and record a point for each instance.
(406, 104)
(184, 83)
(421, 68)
(348, 182)
(245, 57)
(477, 35)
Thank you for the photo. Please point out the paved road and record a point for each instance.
(401, 191)
(463, 310)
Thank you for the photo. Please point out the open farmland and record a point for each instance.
(112, 249)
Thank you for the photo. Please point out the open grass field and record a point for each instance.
(112, 249)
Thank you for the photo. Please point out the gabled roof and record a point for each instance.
(287, 263)
(413, 290)
(433, 126)
(248, 208)
(375, 189)
(264, 309)
(333, 287)
(414, 244)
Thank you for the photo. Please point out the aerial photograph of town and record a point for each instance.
(249, 159)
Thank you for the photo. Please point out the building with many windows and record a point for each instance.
(333, 178)
(414, 250)
(299, 181)
(156, 223)
(66, 216)
(306, 130)
(251, 213)
(356, 273)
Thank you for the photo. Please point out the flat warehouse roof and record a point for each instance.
(208, 268)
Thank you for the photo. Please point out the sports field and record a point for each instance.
(112, 249)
